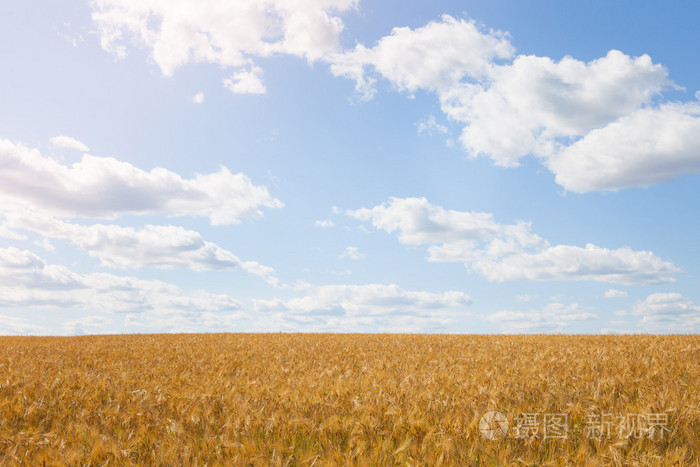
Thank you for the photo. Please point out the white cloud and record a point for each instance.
(555, 317)
(175, 322)
(69, 143)
(246, 82)
(418, 222)
(258, 269)
(596, 125)
(613, 331)
(668, 312)
(90, 324)
(613, 293)
(7, 232)
(153, 246)
(370, 306)
(353, 253)
(324, 224)
(228, 34)
(508, 252)
(103, 187)
(592, 263)
(198, 98)
(649, 146)
(27, 282)
(435, 57)
(430, 125)
(37, 190)
(588, 122)
(266, 272)
(21, 268)
(45, 244)
(13, 326)
(527, 107)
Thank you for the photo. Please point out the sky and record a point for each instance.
(349, 166)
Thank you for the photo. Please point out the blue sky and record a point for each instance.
(331, 165)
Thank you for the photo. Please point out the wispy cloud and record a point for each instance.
(368, 306)
(613, 293)
(555, 317)
(352, 252)
(430, 126)
(324, 224)
(67, 142)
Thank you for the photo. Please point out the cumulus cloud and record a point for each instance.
(555, 317)
(435, 57)
(103, 187)
(418, 222)
(597, 125)
(246, 82)
(648, 146)
(228, 34)
(68, 143)
(371, 306)
(509, 252)
(527, 107)
(587, 122)
(27, 282)
(668, 312)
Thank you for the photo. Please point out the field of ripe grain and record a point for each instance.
(300, 399)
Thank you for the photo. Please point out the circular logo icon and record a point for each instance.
(493, 425)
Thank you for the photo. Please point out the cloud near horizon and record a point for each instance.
(357, 307)
(509, 252)
(554, 317)
(28, 282)
(667, 312)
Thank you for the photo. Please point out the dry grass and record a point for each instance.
(295, 399)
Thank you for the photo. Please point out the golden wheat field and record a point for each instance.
(303, 399)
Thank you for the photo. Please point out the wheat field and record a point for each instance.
(343, 399)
